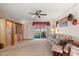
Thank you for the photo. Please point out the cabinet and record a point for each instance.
(11, 32)
(3, 32)
(18, 32)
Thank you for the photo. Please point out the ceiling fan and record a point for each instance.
(38, 14)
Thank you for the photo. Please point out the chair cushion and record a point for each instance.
(67, 48)
(57, 48)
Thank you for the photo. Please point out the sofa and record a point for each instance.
(70, 44)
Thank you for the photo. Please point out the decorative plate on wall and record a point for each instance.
(70, 17)
(74, 22)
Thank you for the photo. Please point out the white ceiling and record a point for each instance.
(21, 10)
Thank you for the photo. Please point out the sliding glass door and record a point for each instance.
(43, 32)
(40, 32)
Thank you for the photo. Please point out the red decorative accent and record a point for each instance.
(74, 22)
(41, 24)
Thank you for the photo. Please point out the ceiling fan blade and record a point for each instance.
(44, 14)
(32, 13)
(39, 16)
(33, 16)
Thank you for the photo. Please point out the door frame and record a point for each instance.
(41, 31)
(12, 32)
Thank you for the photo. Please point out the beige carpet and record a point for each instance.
(28, 48)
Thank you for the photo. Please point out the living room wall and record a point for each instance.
(72, 30)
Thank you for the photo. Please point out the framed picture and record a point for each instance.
(63, 24)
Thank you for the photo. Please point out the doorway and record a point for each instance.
(40, 32)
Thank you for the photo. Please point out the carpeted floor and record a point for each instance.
(28, 48)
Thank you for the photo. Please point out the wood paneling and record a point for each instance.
(10, 32)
